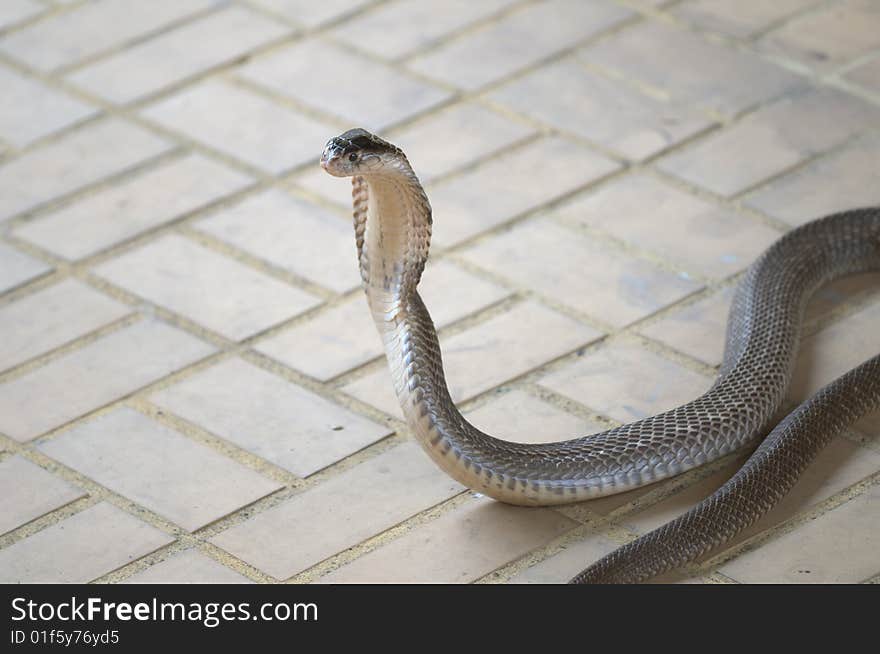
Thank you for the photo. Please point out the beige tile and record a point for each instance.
(837, 547)
(345, 336)
(316, 181)
(455, 137)
(519, 417)
(14, 11)
(208, 288)
(340, 512)
(17, 268)
(559, 568)
(388, 31)
(807, 194)
(867, 75)
(681, 228)
(833, 351)
(32, 110)
(690, 69)
(243, 124)
(50, 318)
(91, 376)
(169, 58)
(137, 204)
(458, 547)
(570, 97)
(81, 548)
(79, 158)
(69, 37)
(293, 234)
(698, 329)
(310, 13)
(772, 140)
(264, 414)
(511, 184)
(829, 36)
(332, 79)
(521, 38)
(491, 353)
(627, 382)
(740, 18)
(580, 271)
(158, 468)
(29, 492)
(188, 567)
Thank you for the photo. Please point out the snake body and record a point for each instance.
(392, 220)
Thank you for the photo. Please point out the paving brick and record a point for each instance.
(179, 479)
(810, 193)
(313, 14)
(840, 465)
(740, 18)
(510, 184)
(771, 140)
(343, 84)
(169, 58)
(208, 288)
(679, 227)
(627, 382)
(189, 567)
(690, 69)
(293, 234)
(264, 414)
(16, 268)
(697, 329)
(50, 318)
(580, 271)
(243, 124)
(32, 110)
(388, 30)
(71, 36)
(29, 492)
(565, 564)
(345, 336)
(333, 189)
(834, 350)
(87, 545)
(837, 547)
(339, 513)
(867, 75)
(458, 547)
(503, 347)
(455, 137)
(517, 416)
(570, 97)
(829, 36)
(92, 376)
(15, 11)
(75, 160)
(521, 38)
(135, 205)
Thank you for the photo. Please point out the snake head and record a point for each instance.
(357, 152)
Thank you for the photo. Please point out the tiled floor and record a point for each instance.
(190, 386)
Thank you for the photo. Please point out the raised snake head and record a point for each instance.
(357, 152)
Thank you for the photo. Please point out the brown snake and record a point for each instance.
(392, 220)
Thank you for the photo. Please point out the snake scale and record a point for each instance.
(392, 221)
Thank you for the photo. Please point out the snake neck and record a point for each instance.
(392, 221)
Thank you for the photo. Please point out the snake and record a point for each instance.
(393, 223)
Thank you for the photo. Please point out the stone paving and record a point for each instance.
(191, 389)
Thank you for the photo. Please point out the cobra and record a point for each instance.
(392, 224)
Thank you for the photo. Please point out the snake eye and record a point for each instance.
(353, 157)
